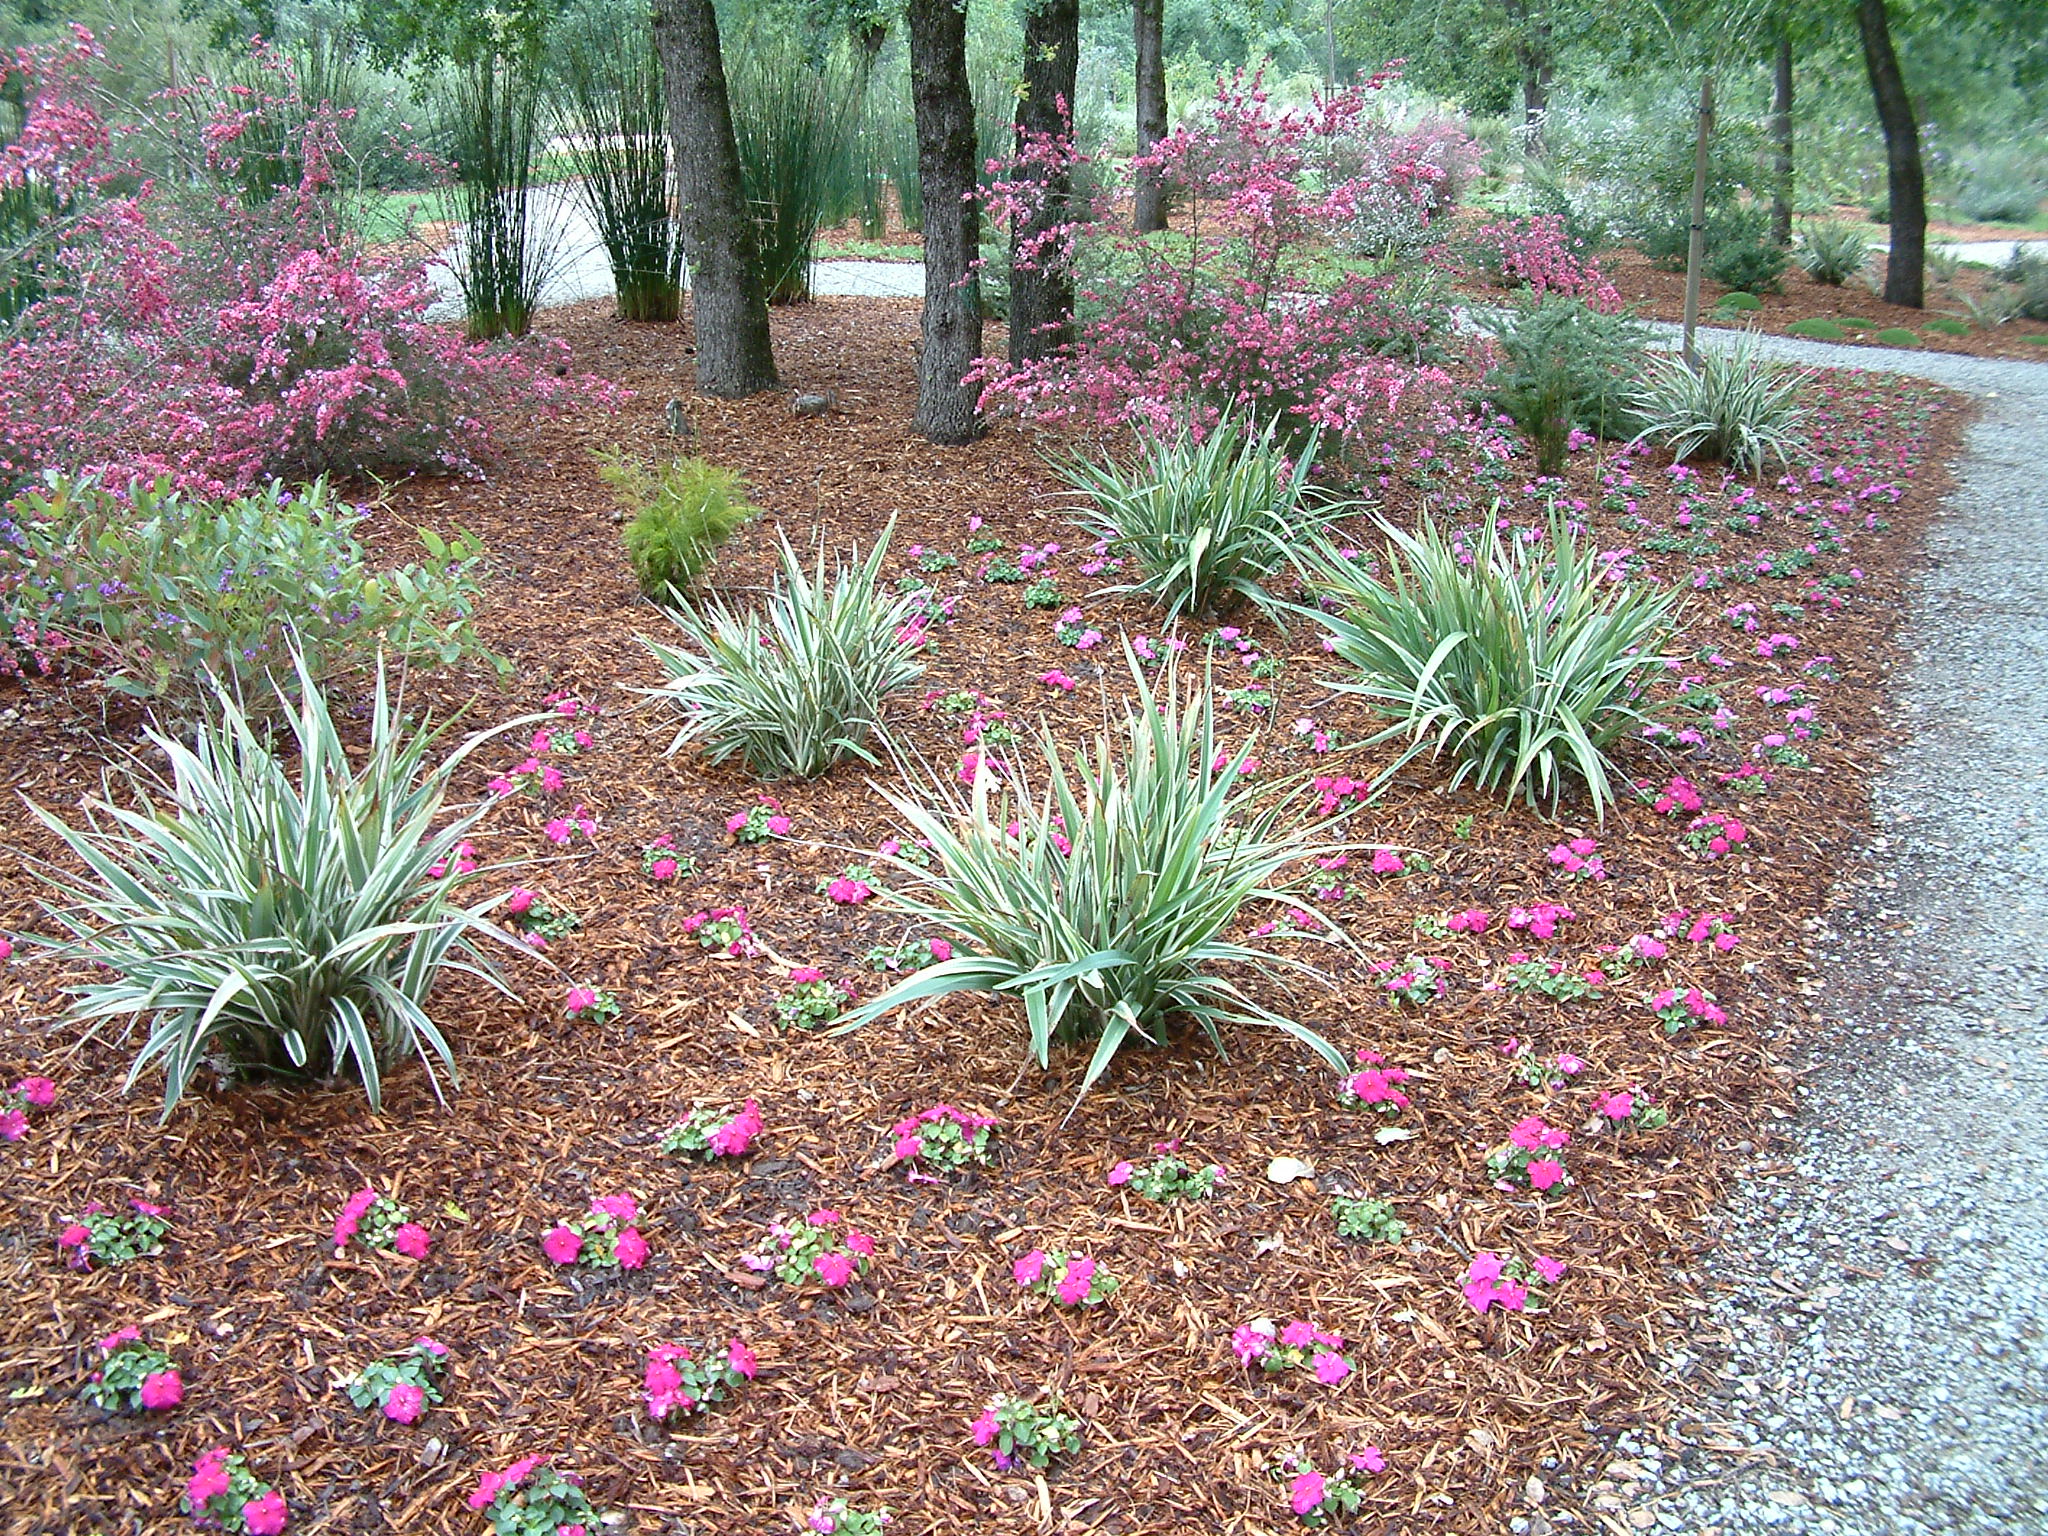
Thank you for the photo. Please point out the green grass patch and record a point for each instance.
(1817, 330)
(1740, 301)
(1897, 336)
(1943, 325)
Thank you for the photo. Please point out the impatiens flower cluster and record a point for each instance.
(1418, 979)
(590, 1005)
(402, 1386)
(1360, 1218)
(1581, 858)
(608, 1237)
(1271, 1347)
(102, 1236)
(1530, 1157)
(1713, 835)
(1496, 1280)
(811, 1001)
(1318, 1498)
(1542, 919)
(1679, 1009)
(824, 1248)
(761, 822)
(1473, 921)
(835, 1517)
(723, 930)
(223, 1494)
(709, 1132)
(378, 1221)
(1679, 796)
(133, 1377)
(1019, 1432)
(678, 1382)
(849, 889)
(16, 1102)
(1375, 1085)
(660, 862)
(1546, 1074)
(1071, 1279)
(1629, 1108)
(578, 825)
(1167, 1178)
(530, 1498)
(911, 954)
(535, 921)
(941, 1138)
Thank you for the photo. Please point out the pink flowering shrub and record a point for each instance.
(133, 1377)
(401, 1387)
(102, 1236)
(824, 1248)
(1019, 1432)
(223, 1494)
(378, 1221)
(1494, 1280)
(16, 1102)
(1530, 1158)
(530, 1498)
(941, 1138)
(709, 1132)
(1073, 1280)
(1534, 253)
(678, 1383)
(1318, 1498)
(607, 1237)
(1267, 1346)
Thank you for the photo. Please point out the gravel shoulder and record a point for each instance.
(1873, 1358)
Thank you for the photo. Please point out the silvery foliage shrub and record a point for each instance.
(1391, 220)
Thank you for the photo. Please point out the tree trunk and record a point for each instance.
(727, 305)
(1148, 33)
(1781, 140)
(944, 107)
(1041, 271)
(1904, 275)
(1537, 67)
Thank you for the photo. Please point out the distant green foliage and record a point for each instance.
(1817, 329)
(1897, 336)
(1565, 365)
(1832, 252)
(1750, 262)
(1740, 302)
(678, 522)
(1945, 325)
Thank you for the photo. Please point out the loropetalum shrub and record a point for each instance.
(133, 1377)
(402, 1387)
(1235, 310)
(679, 1381)
(605, 1237)
(378, 1221)
(161, 590)
(223, 1493)
(712, 1132)
(180, 327)
(1519, 660)
(1104, 902)
(1535, 253)
(1018, 1431)
(824, 1248)
(270, 905)
(1372, 157)
(797, 685)
(530, 1498)
(941, 1139)
(98, 1235)
(1073, 1280)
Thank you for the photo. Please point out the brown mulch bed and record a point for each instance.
(870, 1392)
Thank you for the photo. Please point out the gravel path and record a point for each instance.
(1874, 1358)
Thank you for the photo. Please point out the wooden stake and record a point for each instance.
(1696, 243)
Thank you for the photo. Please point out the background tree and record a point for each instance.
(1905, 266)
(947, 164)
(727, 305)
(1148, 36)
(1041, 279)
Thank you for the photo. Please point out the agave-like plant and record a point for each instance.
(1519, 661)
(1832, 252)
(1734, 405)
(1105, 904)
(276, 908)
(799, 684)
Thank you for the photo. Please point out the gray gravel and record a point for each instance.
(1874, 1358)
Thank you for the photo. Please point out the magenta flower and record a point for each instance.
(579, 1000)
(13, 1124)
(1027, 1269)
(742, 1359)
(162, 1389)
(623, 1209)
(984, 1428)
(264, 1516)
(1121, 1173)
(1545, 1172)
(1549, 1271)
(209, 1479)
(1297, 1335)
(1369, 1460)
(1074, 1285)
(835, 1269)
(39, 1091)
(737, 1134)
(1305, 1493)
(411, 1239)
(562, 1244)
(1331, 1368)
(1618, 1105)
(405, 1404)
(631, 1249)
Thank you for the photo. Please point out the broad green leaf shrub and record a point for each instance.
(1520, 661)
(1205, 520)
(1565, 365)
(273, 906)
(161, 589)
(678, 520)
(1734, 405)
(797, 685)
(1105, 901)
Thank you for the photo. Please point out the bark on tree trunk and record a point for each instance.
(1148, 28)
(1533, 59)
(944, 107)
(728, 308)
(1041, 277)
(1904, 276)
(1781, 139)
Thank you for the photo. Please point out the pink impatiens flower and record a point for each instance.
(1331, 1368)
(39, 1091)
(264, 1516)
(1305, 1493)
(1121, 1173)
(411, 1239)
(737, 1134)
(1027, 1269)
(1369, 1460)
(1549, 1271)
(835, 1269)
(405, 1404)
(162, 1389)
(1545, 1172)
(1618, 1105)
(631, 1249)
(562, 1244)
(742, 1359)
(1073, 1286)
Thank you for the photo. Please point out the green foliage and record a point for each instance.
(1360, 1218)
(1107, 911)
(163, 589)
(1999, 185)
(1945, 325)
(1897, 336)
(420, 1367)
(1525, 666)
(491, 126)
(2027, 271)
(278, 908)
(1032, 1433)
(116, 1387)
(1564, 365)
(1738, 302)
(677, 523)
(798, 685)
(794, 120)
(1832, 252)
(1206, 520)
(1735, 406)
(1817, 329)
(1749, 261)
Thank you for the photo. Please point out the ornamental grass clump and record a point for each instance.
(797, 685)
(1832, 252)
(1735, 405)
(1516, 659)
(1205, 518)
(270, 904)
(1105, 903)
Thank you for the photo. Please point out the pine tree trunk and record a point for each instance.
(1533, 59)
(1148, 34)
(1904, 275)
(1042, 279)
(944, 107)
(1781, 140)
(728, 308)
